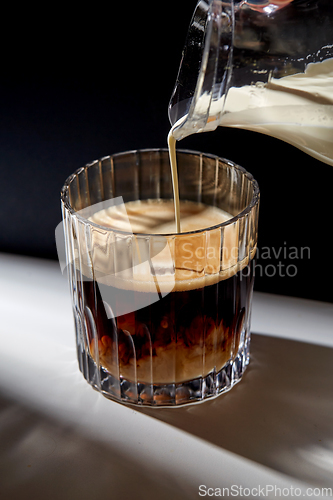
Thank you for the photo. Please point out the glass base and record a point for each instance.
(165, 395)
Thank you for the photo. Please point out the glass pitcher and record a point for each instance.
(260, 65)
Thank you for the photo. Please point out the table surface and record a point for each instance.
(271, 435)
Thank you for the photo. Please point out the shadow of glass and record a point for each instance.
(280, 415)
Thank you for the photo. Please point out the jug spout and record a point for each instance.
(205, 69)
(260, 65)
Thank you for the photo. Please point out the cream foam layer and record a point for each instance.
(179, 261)
(158, 217)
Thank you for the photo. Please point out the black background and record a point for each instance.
(79, 85)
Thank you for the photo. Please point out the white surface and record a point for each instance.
(293, 318)
(61, 439)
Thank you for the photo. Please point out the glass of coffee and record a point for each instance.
(161, 318)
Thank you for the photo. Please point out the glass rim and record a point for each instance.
(254, 200)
